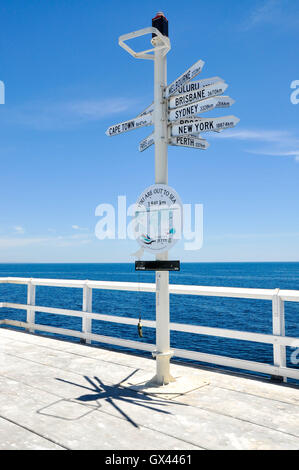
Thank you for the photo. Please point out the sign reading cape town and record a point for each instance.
(186, 101)
(140, 121)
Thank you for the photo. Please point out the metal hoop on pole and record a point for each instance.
(165, 46)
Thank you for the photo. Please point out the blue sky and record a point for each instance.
(66, 80)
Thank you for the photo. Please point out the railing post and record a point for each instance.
(87, 307)
(278, 326)
(30, 301)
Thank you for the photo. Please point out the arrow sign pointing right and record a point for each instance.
(190, 141)
(184, 78)
(191, 120)
(196, 108)
(193, 86)
(200, 94)
(205, 125)
(224, 102)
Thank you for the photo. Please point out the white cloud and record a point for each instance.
(274, 153)
(64, 115)
(257, 135)
(58, 241)
(249, 236)
(19, 229)
(281, 13)
(277, 142)
(76, 227)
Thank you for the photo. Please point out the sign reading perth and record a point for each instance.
(190, 141)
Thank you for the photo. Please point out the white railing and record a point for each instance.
(277, 339)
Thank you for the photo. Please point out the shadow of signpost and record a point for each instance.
(116, 394)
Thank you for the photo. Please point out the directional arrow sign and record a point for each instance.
(139, 121)
(189, 87)
(184, 78)
(192, 120)
(193, 86)
(196, 108)
(204, 125)
(147, 110)
(146, 143)
(224, 102)
(189, 141)
(200, 94)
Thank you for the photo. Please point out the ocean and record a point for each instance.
(236, 314)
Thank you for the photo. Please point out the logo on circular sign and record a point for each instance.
(158, 218)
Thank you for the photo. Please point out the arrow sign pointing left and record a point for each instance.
(146, 143)
(147, 110)
(139, 121)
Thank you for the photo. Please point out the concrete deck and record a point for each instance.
(60, 395)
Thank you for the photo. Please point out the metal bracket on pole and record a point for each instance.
(142, 32)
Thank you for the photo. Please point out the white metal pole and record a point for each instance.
(87, 307)
(278, 328)
(30, 301)
(162, 352)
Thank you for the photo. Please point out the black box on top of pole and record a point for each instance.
(161, 23)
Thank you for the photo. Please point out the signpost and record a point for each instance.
(174, 114)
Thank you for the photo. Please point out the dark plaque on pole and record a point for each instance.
(157, 265)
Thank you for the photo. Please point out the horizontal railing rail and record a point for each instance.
(276, 296)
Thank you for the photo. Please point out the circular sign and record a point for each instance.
(158, 218)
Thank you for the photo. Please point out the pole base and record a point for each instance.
(161, 380)
(163, 376)
(174, 389)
